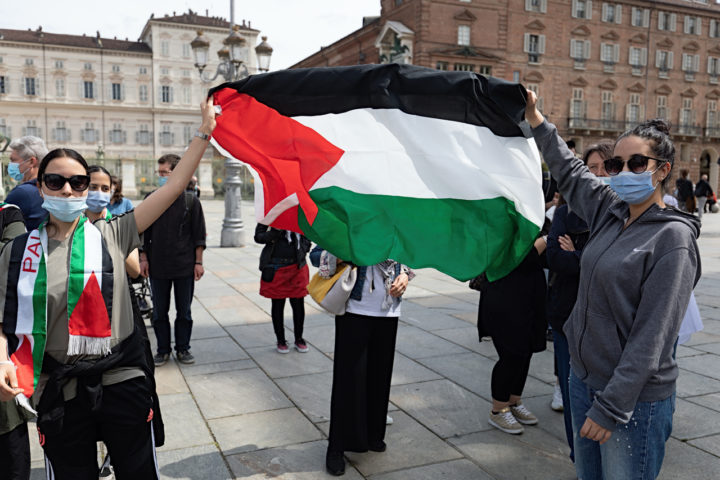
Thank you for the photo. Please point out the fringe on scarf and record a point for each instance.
(81, 345)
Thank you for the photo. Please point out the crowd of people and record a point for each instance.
(611, 274)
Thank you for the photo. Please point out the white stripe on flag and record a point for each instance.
(93, 253)
(257, 182)
(390, 152)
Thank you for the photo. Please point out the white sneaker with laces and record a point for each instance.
(557, 401)
(505, 421)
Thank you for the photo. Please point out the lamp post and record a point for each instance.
(233, 59)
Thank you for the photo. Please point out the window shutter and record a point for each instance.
(586, 49)
(588, 9)
(686, 30)
(68, 134)
(97, 136)
(713, 28)
(643, 57)
(661, 16)
(709, 65)
(673, 22)
(526, 43)
(82, 134)
(572, 47)
(642, 113)
(605, 8)
(528, 5)
(658, 59)
(53, 134)
(698, 25)
(646, 17)
(574, 9)
(627, 112)
(618, 13)
(95, 90)
(543, 6)
(22, 88)
(616, 53)
(696, 63)
(670, 60)
(171, 94)
(122, 91)
(124, 136)
(159, 95)
(541, 44)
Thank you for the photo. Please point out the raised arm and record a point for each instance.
(586, 195)
(148, 211)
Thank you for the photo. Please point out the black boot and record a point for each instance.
(335, 463)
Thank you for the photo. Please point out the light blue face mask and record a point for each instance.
(97, 201)
(14, 171)
(162, 181)
(605, 180)
(64, 209)
(633, 188)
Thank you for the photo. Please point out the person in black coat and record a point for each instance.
(512, 312)
(285, 274)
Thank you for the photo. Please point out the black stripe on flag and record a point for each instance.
(107, 278)
(458, 96)
(11, 298)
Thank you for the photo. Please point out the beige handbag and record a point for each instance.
(333, 293)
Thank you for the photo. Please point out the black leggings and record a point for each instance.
(509, 374)
(277, 310)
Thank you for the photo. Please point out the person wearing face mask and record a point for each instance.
(637, 272)
(565, 244)
(172, 257)
(25, 155)
(69, 339)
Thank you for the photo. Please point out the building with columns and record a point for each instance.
(598, 67)
(123, 103)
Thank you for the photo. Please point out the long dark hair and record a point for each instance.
(117, 196)
(657, 131)
(59, 153)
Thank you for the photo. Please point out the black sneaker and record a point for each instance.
(335, 463)
(161, 359)
(185, 357)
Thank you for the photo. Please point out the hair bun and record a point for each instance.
(659, 124)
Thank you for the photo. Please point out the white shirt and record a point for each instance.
(373, 295)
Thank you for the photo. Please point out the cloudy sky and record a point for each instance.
(296, 28)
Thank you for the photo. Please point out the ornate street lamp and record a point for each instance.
(233, 59)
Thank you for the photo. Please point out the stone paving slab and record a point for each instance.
(294, 363)
(710, 444)
(511, 457)
(406, 370)
(685, 421)
(256, 335)
(213, 350)
(236, 392)
(691, 384)
(266, 429)
(687, 462)
(409, 444)
(468, 338)
(311, 393)
(455, 470)
(195, 463)
(192, 431)
(711, 401)
(208, 368)
(417, 343)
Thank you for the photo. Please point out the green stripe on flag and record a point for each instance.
(39, 325)
(462, 238)
(76, 282)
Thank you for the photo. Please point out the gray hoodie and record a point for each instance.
(635, 285)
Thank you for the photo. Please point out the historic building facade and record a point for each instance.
(598, 67)
(110, 98)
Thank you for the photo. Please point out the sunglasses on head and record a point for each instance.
(79, 183)
(637, 163)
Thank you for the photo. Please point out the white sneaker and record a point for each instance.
(388, 420)
(557, 401)
(504, 420)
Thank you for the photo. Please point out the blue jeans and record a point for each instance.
(634, 452)
(184, 289)
(562, 355)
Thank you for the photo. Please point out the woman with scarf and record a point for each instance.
(284, 275)
(364, 353)
(66, 312)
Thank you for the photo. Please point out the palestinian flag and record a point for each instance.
(90, 284)
(371, 162)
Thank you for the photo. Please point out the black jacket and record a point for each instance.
(703, 189)
(278, 251)
(564, 266)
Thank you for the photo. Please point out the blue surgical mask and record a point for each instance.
(97, 200)
(65, 209)
(633, 188)
(14, 171)
(605, 180)
(162, 181)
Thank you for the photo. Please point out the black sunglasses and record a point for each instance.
(79, 183)
(637, 163)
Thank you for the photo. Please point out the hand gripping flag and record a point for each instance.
(371, 162)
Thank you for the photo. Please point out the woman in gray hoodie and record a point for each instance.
(638, 269)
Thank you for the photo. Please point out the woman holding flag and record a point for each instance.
(65, 310)
(637, 272)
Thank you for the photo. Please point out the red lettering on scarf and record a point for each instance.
(34, 249)
(27, 265)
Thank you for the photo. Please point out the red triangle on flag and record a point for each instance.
(23, 359)
(288, 156)
(90, 317)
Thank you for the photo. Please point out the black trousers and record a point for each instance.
(362, 370)
(278, 317)
(123, 423)
(509, 374)
(15, 454)
(184, 289)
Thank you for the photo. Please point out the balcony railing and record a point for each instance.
(599, 124)
(689, 130)
(712, 132)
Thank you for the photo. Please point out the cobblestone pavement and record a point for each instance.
(244, 411)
